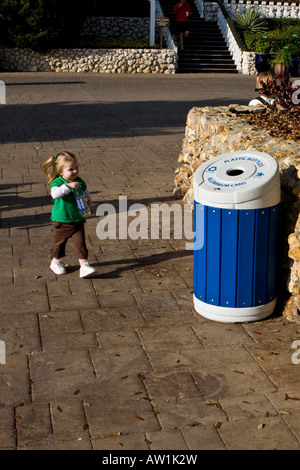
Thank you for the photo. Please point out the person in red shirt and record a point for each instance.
(184, 12)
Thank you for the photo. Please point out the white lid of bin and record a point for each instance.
(243, 179)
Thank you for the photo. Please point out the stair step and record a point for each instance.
(206, 70)
(203, 62)
(205, 50)
(201, 56)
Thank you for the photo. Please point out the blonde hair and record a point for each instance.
(54, 165)
(264, 78)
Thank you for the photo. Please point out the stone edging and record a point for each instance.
(89, 60)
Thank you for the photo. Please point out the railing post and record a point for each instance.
(293, 10)
(200, 7)
(271, 11)
(278, 12)
(233, 9)
(152, 22)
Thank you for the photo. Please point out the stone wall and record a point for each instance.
(248, 63)
(89, 60)
(213, 131)
(120, 27)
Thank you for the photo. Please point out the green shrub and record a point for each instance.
(286, 32)
(262, 45)
(114, 43)
(251, 20)
(282, 56)
(41, 24)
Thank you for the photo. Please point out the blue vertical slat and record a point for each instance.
(245, 258)
(261, 256)
(200, 251)
(213, 255)
(272, 254)
(230, 219)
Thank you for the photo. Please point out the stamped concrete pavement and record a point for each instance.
(121, 361)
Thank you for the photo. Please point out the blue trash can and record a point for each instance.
(236, 209)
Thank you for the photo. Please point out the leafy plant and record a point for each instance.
(251, 20)
(283, 119)
(283, 93)
(282, 31)
(262, 46)
(115, 43)
(40, 24)
(293, 50)
(283, 56)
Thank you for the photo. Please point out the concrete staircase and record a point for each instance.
(205, 50)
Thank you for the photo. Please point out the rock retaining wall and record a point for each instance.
(214, 131)
(89, 60)
(117, 27)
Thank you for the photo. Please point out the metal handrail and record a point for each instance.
(231, 24)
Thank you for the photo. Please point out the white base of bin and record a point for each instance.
(233, 315)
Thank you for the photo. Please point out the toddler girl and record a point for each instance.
(263, 82)
(67, 222)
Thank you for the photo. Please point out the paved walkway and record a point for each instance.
(121, 361)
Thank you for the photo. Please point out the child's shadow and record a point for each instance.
(130, 264)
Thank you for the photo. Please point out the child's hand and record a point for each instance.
(74, 185)
(88, 200)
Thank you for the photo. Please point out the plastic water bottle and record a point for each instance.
(83, 208)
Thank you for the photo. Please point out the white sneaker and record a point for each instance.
(86, 270)
(58, 266)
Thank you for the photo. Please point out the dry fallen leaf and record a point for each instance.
(287, 397)
(212, 404)
(218, 425)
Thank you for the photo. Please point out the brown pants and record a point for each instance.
(60, 235)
